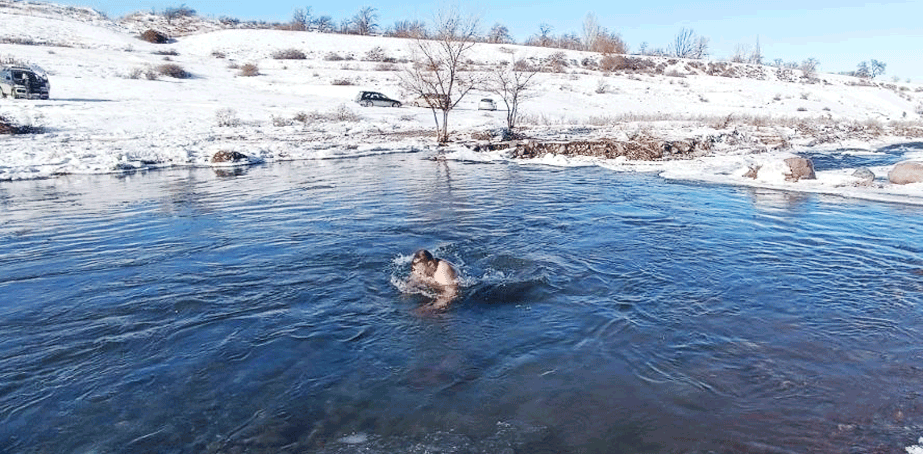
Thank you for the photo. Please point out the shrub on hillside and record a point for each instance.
(524, 65)
(13, 61)
(342, 82)
(154, 36)
(148, 73)
(173, 70)
(280, 122)
(612, 63)
(378, 54)
(341, 113)
(227, 117)
(302, 117)
(556, 62)
(177, 12)
(289, 54)
(229, 21)
(249, 70)
(589, 63)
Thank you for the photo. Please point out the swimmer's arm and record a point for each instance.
(448, 294)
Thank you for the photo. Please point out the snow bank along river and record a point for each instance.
(260, 310)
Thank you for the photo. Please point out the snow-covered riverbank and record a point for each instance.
(106, 116)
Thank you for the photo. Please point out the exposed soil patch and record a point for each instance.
(8, 127)
(641, 149)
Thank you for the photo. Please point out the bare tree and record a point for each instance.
(510, 82)
(544, 38)
(499, 34)
(877, 68)
(569, 41)
(301, 19)
(756, 57)
(870, 69)
(346, 26)
(809, 67)
(687, 45)
(591, 31)
(325, 24)
(177, 12)
(437, 74)
(701, 47)
(365, 22)
(740, 53)
(408, 29)
(609, 43)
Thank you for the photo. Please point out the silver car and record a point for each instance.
(374, 98)
(487, 104)
(23, 82)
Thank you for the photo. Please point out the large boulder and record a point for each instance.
(753, 171)
(154, 36)
(229, 156)
(864, 176)
(800, 169)
(906, 172)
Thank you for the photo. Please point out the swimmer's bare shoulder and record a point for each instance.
(436, 273)
(445, 274)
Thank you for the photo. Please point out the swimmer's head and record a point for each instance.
(423, 263)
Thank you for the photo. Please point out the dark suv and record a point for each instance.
(374, 98)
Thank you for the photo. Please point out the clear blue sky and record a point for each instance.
(839, 34)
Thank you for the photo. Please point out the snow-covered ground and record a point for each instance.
(106, 116)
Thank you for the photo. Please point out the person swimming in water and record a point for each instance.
(435, 273)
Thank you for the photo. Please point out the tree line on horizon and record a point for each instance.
(593, 38)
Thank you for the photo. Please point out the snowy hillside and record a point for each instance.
(111, 111)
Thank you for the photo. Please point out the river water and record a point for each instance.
(262, 310)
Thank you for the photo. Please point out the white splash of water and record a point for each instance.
(354, 439)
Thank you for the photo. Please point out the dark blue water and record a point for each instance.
(261, 311)
(853, 158)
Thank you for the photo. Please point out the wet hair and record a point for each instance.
(424, 257)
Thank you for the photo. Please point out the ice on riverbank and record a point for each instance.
(916, 449)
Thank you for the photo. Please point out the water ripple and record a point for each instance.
(181, 311)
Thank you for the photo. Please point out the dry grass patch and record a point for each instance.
(341, 113)
(173, 70)
(289, 54)
(227, 117)
(249, 70)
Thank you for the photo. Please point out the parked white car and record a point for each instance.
(487, 104)
(23, 82)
